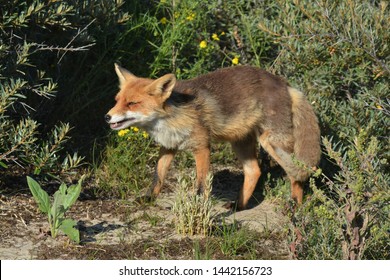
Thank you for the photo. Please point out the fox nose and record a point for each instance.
(107, 118)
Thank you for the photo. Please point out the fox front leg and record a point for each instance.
(164, 161)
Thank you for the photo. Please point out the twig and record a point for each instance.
(42, 47)
(78, 33)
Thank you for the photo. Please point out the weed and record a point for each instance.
(203, 252)
(64, 198)
(192, 212)
(153, 220)
(124, 170)
(235, 240)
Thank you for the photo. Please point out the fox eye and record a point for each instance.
(132, 103)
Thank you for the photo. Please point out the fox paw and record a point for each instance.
(232, 206)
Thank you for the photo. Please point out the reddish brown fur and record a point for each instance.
(243, 105)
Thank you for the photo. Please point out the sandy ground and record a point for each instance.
(24, 230)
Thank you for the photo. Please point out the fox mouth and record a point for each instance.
(121, 124)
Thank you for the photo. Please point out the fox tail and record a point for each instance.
(306, 132)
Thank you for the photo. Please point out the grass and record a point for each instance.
(193, 212)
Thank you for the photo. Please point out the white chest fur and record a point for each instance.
(168, 136)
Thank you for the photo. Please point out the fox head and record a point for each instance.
(139, 100)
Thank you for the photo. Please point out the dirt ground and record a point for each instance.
(121, 229)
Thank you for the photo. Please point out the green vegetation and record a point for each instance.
(64, 198)
(127, 166)
(56, 72)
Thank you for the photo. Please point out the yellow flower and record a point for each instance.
(164, 20)
(379, 107)
(123, 132)
(203, 44)
(235, 60)
(223, 33)
(215, 37)
(190, 17)
(145, 134)
(135, 129)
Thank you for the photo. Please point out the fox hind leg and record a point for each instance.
(202, 159)
(296, 191)
(246, 151)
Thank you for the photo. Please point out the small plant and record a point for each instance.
(125, 168)
(192, 212)
(63, 200)
(205, 251)
(235, 239)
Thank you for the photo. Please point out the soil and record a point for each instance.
(122, 229)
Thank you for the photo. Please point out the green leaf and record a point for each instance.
(73, 193)
(40, 196)
(2, 164)
(57, 209)
(68, 227)
(63, 189)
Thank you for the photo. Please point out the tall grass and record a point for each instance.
(192, 212)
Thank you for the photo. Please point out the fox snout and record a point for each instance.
(107, 118)
(119, 121)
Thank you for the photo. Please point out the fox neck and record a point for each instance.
(175, 122)
(169, 135)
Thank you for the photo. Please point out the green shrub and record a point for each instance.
(194, 37)
(125, 169)
(349, 220)
(336, 52)
(25, 86)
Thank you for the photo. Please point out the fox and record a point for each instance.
(243, 105)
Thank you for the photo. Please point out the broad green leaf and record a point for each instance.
(68, 227)
(63, 189)
(73, 193)
(41, 197)
(57, 209)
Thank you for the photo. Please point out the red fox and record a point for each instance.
(243, 105)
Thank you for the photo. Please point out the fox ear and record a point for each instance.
(163, 86)
(123, 75)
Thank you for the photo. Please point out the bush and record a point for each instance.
(348, 219)
(125, 170)
(337, 52)
(25, 86)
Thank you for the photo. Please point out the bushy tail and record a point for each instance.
(307, 150)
